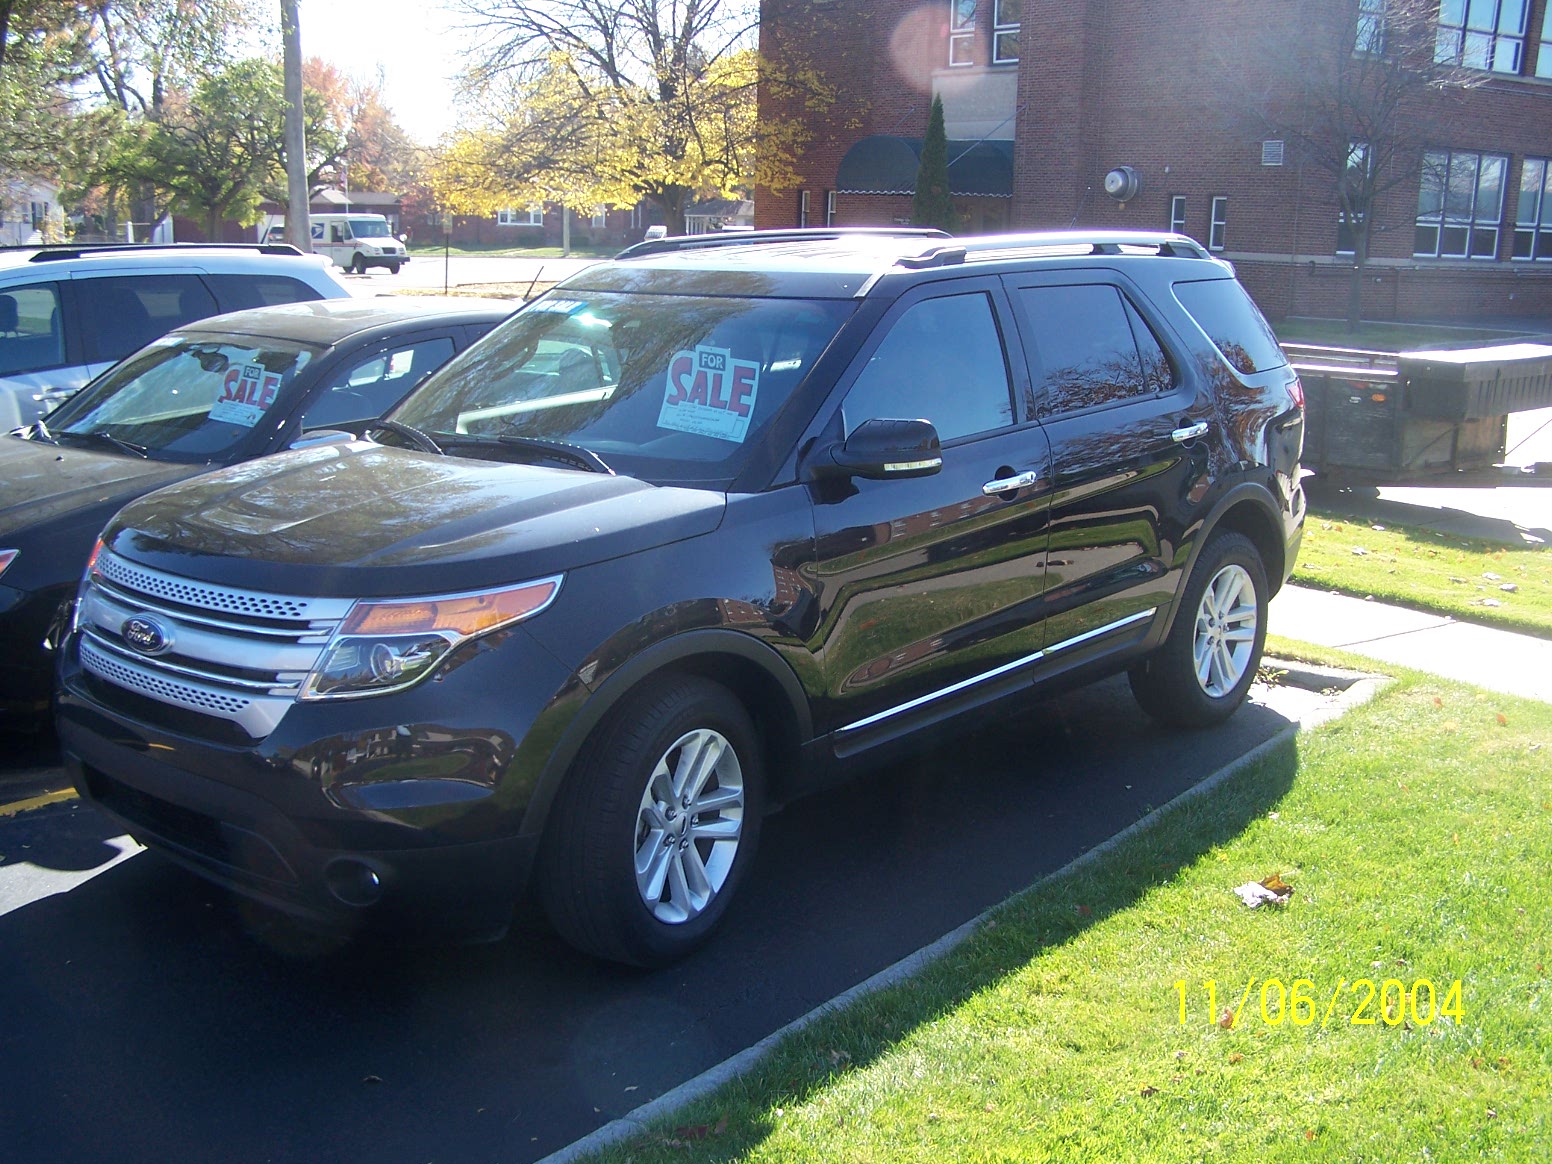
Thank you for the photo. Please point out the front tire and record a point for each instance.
(357, 265)
(657, 825)
(1204, 669)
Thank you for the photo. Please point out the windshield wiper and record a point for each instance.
(420, 440)
(577, 455)
(108, 439)
(542, 449)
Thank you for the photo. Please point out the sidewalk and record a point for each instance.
(1495, 659)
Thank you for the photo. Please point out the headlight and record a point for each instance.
(388, 645)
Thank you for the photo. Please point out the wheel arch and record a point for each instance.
(1246, 509)
(756, 675)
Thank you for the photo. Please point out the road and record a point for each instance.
(144, 1010)
(469, 272)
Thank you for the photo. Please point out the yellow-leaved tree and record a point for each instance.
(606, 103)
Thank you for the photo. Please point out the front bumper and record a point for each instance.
(395, 814)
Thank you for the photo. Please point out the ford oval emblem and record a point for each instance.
(146, 635)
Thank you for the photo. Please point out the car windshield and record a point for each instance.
(663, 387)
(368, 228)
(185, 399)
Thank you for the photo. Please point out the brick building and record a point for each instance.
(1165, 116)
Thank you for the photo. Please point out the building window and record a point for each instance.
(1005, 31)
(1544, 53)
(1369, 38)
(1533, 216)
(530, 216)
(1460, 205)
(600, 217)
(1481, 34)
(1219, 223)
(1177, 214)
(829, 207)
(802, 207)
(961, 32)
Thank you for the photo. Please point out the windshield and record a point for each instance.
(662, 387)
(186, 400)
(368, 228)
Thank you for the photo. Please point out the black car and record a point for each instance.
(688, 536)
(212, 393)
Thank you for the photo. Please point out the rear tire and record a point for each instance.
(656, 826)
(1204, 669)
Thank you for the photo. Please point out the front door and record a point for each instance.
(928, 586)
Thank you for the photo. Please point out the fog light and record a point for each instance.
(354, 882)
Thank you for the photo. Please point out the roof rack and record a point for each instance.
(53, 253)
(738, 238)
(1091, 242)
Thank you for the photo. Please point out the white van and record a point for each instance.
(354, 241)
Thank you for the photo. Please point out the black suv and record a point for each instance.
(679, 541)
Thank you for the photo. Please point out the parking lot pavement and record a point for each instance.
(431, 273)
(524, 1045)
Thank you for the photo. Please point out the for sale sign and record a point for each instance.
(710, 393)
(246, 392)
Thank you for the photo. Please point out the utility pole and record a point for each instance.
(298, 223)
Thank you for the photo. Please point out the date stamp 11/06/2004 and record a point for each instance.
(1360, 1002)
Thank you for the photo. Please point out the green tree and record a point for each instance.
(933, 203)
(214, 156)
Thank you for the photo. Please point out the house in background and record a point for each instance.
(29, 211)
(1136, 116)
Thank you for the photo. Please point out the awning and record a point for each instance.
(885, 164)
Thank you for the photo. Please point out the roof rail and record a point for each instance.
(738, 238)
(56, 252)
(1093, 242)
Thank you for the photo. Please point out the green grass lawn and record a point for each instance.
(1427, 570)
(1115, 1012)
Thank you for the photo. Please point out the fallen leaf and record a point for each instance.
(1309, 1133)
(1147, 1091)
(1503, 720)
(1083, 910)
(1226, 1019)
(1437, 702)
(1359, 551)
(1236, 1058)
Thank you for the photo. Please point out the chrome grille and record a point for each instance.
(239, 655)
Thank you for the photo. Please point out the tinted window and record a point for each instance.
(370, 385)
(29, 329)
(119, 315)
(942, 360)
(662, 387)
(1234, 324)
(240, 292)
(185, 400)
(1089, 347)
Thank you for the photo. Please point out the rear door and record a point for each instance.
(928, 586)
(1128, 417)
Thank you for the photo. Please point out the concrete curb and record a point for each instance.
(1357, 688)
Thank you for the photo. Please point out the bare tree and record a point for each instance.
(620, 99)
(1348, 103)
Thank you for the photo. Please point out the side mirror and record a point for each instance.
(882, 450)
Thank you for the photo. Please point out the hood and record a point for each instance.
(46, 484)
(361, 520)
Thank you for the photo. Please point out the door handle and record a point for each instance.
(1190, 432)
(1022, 480)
